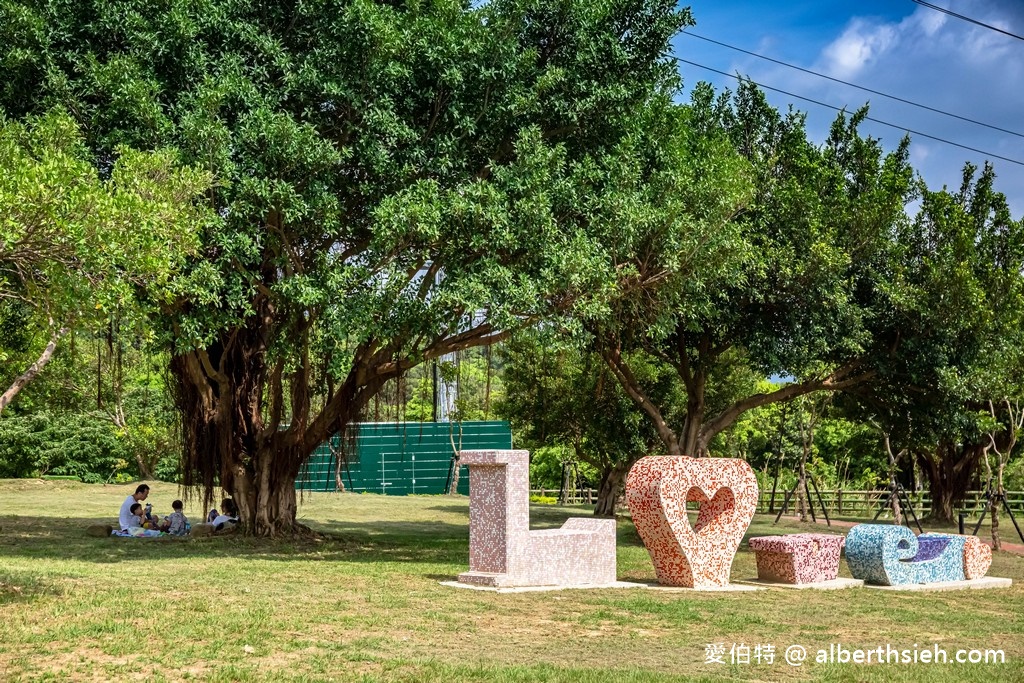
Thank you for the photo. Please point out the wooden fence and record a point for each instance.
(840, 503)
(576, 497)
(866, 503)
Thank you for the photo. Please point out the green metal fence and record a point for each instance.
(402, 458)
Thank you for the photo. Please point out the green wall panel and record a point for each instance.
(402, 458)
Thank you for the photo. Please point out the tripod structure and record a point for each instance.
(992, 501)
(810, 501)
(897, 494)
(570, 481)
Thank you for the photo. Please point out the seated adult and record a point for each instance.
(228, 516)
(125, 518)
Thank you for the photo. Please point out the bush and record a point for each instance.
(81, 445)
(546, 468)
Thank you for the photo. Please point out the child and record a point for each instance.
(135, 516)
(177, 523)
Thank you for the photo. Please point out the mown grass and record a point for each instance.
(364, 603)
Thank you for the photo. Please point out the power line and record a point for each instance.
(854, 85)
(869, 118)
(966, 18)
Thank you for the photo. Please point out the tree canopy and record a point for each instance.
(384, 171)
(75, 246)
(305, 202)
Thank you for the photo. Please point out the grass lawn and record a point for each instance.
(364, 603)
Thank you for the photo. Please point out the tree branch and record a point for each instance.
(619, 368)
(33, 369)
(836, 381)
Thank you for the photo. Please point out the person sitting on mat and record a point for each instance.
(124, 517)
(177, 523)
(228, 516)
(136, 518)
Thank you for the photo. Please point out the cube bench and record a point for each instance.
(797, 558)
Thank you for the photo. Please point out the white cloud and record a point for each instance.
(947, 64)
(919, 153)
(925, 56)
(859, 44)
(930, 22)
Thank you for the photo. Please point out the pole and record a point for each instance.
(785, 502)
(810, 501)
(1013, 519)
(821, 503)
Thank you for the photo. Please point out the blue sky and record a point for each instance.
(896, 47)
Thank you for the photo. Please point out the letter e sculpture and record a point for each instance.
(892, 556)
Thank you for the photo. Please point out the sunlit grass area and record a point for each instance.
(364, 602)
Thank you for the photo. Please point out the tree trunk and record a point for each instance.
(1000, 494)
(612, 479)
(897, 513)
(942, 504)
(689, 442)
(339, 482)
(229, 446)
(266, 500)
(997, 544)
(801, 489)
(569, 481)
(894, 499)
(949, 469)
(33, 370)
(144, 469)
(453, 485)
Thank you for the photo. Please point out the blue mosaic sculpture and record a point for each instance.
(892, 555)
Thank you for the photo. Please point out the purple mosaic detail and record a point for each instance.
(929, 547)
(502, 549)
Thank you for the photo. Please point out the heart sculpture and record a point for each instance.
(977, 558)
(657, 490)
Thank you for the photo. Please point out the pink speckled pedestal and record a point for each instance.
(797, 558)
(503, 552)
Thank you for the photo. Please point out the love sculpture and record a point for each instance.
(657, 491)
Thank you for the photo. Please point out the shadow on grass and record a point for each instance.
(454, 508)
(376, 541)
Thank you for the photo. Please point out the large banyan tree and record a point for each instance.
(394, 180)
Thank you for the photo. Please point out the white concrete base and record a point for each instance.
(835, 584)
(535, 589)
(728, 588)
(976, 584)
(732, 587)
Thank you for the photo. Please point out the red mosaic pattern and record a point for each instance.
(502, 549)
(797, 558)
(977, 558)
(657, 490)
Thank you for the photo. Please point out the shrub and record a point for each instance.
(82, 445)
